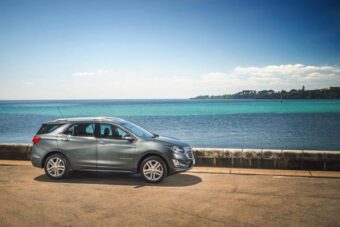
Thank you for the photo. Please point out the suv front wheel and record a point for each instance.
(153, 169)
(56, 166)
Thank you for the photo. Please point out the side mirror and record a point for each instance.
(128, 138)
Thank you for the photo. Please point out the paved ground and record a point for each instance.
(204, 196)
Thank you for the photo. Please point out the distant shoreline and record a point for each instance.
(326, 93)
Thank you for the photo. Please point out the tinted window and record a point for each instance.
(47, 128)
(139, 131)
(121, 132)
(81, 129)
(111, 132)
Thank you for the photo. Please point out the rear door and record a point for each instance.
(114, 152)
(79, 144)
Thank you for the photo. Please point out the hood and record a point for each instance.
(170, 141)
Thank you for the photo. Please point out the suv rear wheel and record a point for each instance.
(56, 166)
(153, 169)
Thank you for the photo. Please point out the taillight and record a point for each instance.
(35, 139)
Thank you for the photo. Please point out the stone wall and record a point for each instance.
(15, 151)
(268, 158)
(225, 157)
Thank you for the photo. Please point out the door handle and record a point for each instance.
(101, 142)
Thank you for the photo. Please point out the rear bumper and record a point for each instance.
(37, 156)
(36, 162)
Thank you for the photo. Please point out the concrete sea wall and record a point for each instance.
(268, 158)
(15, 151)
(226, 157)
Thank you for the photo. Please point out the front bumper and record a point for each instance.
(182, 165)
(181, 162)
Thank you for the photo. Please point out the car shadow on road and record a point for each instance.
(177, 180)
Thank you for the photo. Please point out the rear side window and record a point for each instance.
(81, 129)
(47, 128)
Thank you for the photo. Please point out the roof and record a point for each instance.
(87, 119)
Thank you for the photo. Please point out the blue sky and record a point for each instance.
(165, 49)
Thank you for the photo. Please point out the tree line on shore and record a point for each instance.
(326, 93)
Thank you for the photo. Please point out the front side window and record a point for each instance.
(109, 131)
(81, 129)
(137, 130)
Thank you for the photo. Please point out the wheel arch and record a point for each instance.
(52, 153)
(153, 154)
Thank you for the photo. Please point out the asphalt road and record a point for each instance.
(29, 198)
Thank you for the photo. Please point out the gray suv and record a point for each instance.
(107, 144)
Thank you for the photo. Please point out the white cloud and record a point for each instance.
(30, 83)
(267, 70)
(99, 72)
(319, 76)
(113, 84)
(286, 70)
(106, 84)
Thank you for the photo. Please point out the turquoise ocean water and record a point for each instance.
(291, 124)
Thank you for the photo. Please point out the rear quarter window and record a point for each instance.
(47, 128)
(81, 129)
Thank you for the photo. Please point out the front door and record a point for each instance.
(113, 151)
(79, 144)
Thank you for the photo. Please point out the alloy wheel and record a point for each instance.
(153, 170)
(55, 167)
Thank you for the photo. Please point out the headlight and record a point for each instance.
(176, 149)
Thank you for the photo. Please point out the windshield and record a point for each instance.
(137, 130)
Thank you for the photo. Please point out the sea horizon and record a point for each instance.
(230, 123)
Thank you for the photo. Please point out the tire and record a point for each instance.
(56, 166)
(153, 169)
